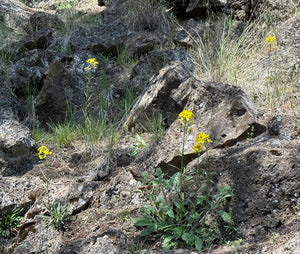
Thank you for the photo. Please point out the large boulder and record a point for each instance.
(110, 38)
(198, 8)
(274, 10)
(58, 95)
(221, 110)
(263, 173)
(15, 15)
(17, 147)
(157, 97)
(153, 62)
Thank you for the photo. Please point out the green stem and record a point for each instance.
(181, 175)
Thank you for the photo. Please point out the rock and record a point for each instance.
(221, 110)
(198, 8)
(44, 21)
(276, 10)
(188, 35)
(150, 65)
(17, 148)
(157, 97)
(106, 38)
(110, 38)
(264, 176)
(287, 58)
(15, 15)
(291, 247)
(95, 245)
(39, 40)
(15, 192)
(49, 239)
(58, 95)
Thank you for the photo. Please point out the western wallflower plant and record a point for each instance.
(201, 140)
(92, 64)
(271, 40)
(186, 117)
(43, 152)
(186, 211)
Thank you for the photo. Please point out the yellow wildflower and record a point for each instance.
(201, 139)
(92, 64)
(186, 117)
(43, 152)
(271, 40)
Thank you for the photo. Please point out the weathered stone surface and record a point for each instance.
(153, 62)
(15, 14)
(157, 97)
(276, 10)
(287, 57)
(43, 20)
(16, 148)
(57, 95)
(264, 176)
(15, 191)
(106, 38)
(291, 247)
(188, 34)
(49, 240)
(221, 110)
(110, 38)
(198, 8)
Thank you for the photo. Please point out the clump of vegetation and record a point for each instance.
(147, 15)
(184, 218)
(56, 215)
(9, 220)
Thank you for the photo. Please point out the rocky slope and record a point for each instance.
(148, 61)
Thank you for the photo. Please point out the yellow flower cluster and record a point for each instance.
(186, 117)
(43, 152)
(92, 64)
(201, 139)
(271, 40)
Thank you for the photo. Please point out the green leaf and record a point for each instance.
(188, 238)
(168, 243)
(148, 230)
(142, 221)
(198, 243)
(170, 213)
(225, 216)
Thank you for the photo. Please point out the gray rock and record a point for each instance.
(157, 97)
(153, 62)
(58, 95)
(291, 247)
(275, 10)
(188, 35)
(17, 148)
(198, 8)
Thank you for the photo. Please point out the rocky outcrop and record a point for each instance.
(275, 10)
(110, 38)
(198, 8)
(16, 143)
(58, 95)
(153, 62)
(157, 97)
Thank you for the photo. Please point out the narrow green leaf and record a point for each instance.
(225, 216)
(170, 213)
(142, 221)
(148, 230)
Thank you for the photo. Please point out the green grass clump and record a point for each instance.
(147, 15)
(8, 221)
(56, 215)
